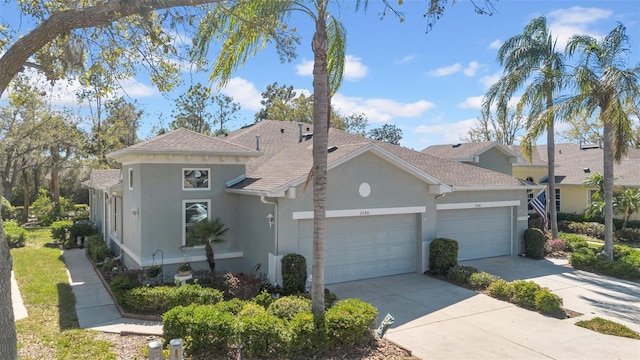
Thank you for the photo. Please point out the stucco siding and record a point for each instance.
(494, 159)
(256, 238)
(534, 172)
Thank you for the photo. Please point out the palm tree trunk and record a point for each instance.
(551, 171)
(321, 105)
(608, 185)
(210, 257)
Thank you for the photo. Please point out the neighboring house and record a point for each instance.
(385, 203)
(485, 154)
(574, 163)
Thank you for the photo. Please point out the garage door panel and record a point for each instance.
(364, 247)
(480, 233)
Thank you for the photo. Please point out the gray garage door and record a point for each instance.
(480, 233)
(364, 247)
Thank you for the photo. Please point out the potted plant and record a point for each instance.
(152, 271)
(184, 269)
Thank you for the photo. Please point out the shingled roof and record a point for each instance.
(104, 179)
(573, 164)
(183, 141)
(286, 159)
(466, 151)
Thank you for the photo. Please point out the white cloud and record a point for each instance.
(474, 102)
(135, 89)
(446, 70)
(471, 69)
(354, 69)
(443, 133)
(564, 23)
(406, 59)
(495, 44)
(380, 110)
(491, 79)
(243, 92)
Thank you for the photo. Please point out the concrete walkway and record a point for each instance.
(19, 311)
(438, 320)
(94, 306)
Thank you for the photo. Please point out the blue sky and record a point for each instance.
(428, 84)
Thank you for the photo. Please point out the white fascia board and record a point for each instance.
(494, 188)
(478, 205)
(301, 215)
(271, 194)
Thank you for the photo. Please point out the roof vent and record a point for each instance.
(456, 145)
(247, 126)
(586, 170)
(281, 130)
(308, 129)
(299, 133)
(307, 136)
(257, 142)
(332, 149)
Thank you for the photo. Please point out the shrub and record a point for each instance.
(263, 299)
(625, 268)
(524, 293)
(80, 212)
(582, 259)
(482, 280)
(14, 234)
(251, 309)
(294, 274)
(593, 229)
(501, 289)
(350, 322)
(302, 334)
(628, 235)
(234, 306)
(574, 241)
(460, 274)
(242, 286)
(205, 329)
(82, 229)
(555, 245)
(60, 230)
(158, 299)
(546, 301)
(97, 249)
(262, 336)
(620, 251)
(5, 209)
(286, 307)
(443, 255)
(121, 284)
(534, 243)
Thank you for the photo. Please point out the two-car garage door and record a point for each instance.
(364, 247)
(480, 233)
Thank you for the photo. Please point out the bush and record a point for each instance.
(574, 241)
(620, 251)
(80, 212)
(121, 284)
(303, 338)
(286, 307)
(627, 267)
(546, 301)
(82, 229)
(350, 322)
(234, 306)
(482, 280)
(5, 209)
(460, 274)
(555, 245)
(60, 230)
(158, 299)
(14, 234)
(294, 274)
(251, 309)
(592, 229)
(501, 289)
(262, 336)
(628, 235)
(242, 286)
(443, 255)
(524, 293)
(534, 243)
(263, 299)
(97, 249)
(205, 329)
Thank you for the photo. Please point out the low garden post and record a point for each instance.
(155, 350)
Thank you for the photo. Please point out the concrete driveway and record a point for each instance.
(437, 320)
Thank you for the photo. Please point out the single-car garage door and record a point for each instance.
(364, 247)
(480, 233)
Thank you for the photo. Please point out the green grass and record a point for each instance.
(52, 324)
(608, 327)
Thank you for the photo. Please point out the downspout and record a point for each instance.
(275, 220)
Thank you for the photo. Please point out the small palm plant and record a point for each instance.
(207, 232)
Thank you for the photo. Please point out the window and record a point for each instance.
(529, 191)
(130, 178)
(195, 179)
(194, 211)
(557, 200)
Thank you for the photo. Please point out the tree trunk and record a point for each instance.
(608, 185)
(210, 258)
(8, 337)
(26, 196)
(551, 171)
(321, 106)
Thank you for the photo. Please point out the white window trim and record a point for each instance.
(184, 215)
(196, 189)
(130, 179)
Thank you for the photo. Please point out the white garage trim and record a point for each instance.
(523, 218)
(300, 215)
(478, 205)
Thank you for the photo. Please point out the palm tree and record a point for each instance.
(207, 232)
(530, 60)
(596, 206)
(627, 203)
(245, 27)
(603, 87)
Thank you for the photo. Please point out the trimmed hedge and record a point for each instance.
(204, 329)
(527, 294)
(288, 306)
(460, 274)
(158, 299)
(14, 234)
(592, 229)
(97, 249)
(294, 274)
(574, 241)
(482, 280)
(60, 230)
(625, 266)
(350, 322)
(443, 255)
(534, 240)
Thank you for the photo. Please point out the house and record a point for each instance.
(485, 154)
(574, 163)
(385, 203)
